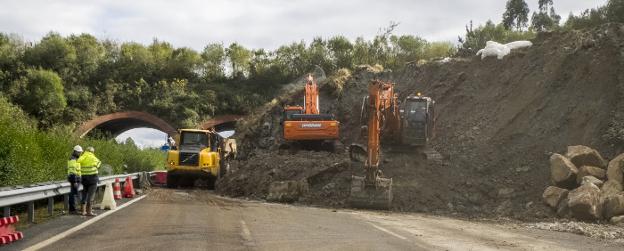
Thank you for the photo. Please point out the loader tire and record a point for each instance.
(172, 181)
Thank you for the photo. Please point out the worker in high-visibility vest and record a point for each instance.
(89, 165)
(73, 177)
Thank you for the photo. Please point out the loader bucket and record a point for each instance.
(378, 196)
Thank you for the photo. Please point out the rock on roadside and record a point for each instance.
(613, 205)
(585, 203)
(593, 180)
(590, 171)
(553, 196)
(562, 171)
(287, 191)
(585, 156)
(614, 171)
(617, 220)
(611, 187)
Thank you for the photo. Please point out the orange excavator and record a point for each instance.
(409, 125)
(306, 124)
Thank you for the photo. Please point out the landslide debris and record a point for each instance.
(498, 123)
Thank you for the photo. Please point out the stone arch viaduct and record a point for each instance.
(119, 122)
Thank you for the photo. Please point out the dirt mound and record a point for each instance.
(498, 122)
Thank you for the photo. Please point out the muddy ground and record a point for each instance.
(498, 121)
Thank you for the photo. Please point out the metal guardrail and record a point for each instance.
(28, 195)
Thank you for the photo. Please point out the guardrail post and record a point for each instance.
(7, 211)
(66, 202)
(50, 206)
(31, 212)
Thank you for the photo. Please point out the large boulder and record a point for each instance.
(614, 171)
(593, 180)
(585, 156)
(585, 203)
(553, 196)
(590, 171)
(287, 191)
(617, 220)
(613, 205)
(563, 210)
(562, 171)
(611, 187)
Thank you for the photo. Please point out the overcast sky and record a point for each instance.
(255, 24)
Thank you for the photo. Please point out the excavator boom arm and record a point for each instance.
(311, 97)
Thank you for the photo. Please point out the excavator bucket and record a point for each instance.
(377, 196)
(357, 153)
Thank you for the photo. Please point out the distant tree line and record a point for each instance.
(62, 80)
(515, 23)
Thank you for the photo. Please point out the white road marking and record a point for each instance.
(62, 235)
(246, 233)
(389, 232)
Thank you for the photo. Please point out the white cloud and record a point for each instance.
(144, 137)
(256, 24)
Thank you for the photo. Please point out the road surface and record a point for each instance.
(170, 219)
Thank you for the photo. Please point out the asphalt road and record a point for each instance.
(199, 220)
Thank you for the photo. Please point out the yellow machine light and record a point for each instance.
(333, 124)
(288, 125)
(171, 163)
(418, 93)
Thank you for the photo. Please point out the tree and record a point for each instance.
(341, 51)
(214, 58)
(52, 53)
(42, 95)
(516, 14)
(130, 142)
(239, 57)
(11, 59)
(546, 18)
(615, 11)
(588, 18)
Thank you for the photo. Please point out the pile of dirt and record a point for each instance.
(498, 122)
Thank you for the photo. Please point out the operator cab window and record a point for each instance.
(289, 114)
(195, 139)
(417, 110)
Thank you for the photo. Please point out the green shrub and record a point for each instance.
(29, 155)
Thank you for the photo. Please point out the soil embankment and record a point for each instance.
(498, 121)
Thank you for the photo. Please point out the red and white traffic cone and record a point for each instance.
(117, 189)
(7, 231)
(128, 190)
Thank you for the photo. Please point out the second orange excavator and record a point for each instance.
(409, 125)
(306, 124)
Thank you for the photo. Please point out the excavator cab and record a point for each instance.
(417, 116)
(290, 111)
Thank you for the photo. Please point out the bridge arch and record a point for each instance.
(220, 123)
(119, 122)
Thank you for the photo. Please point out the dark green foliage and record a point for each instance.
(516, 15)
(613, 11)
(41, 93)
(29, 155)
(82, 76)
(546, 18)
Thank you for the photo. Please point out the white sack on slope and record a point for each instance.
(501, 50)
